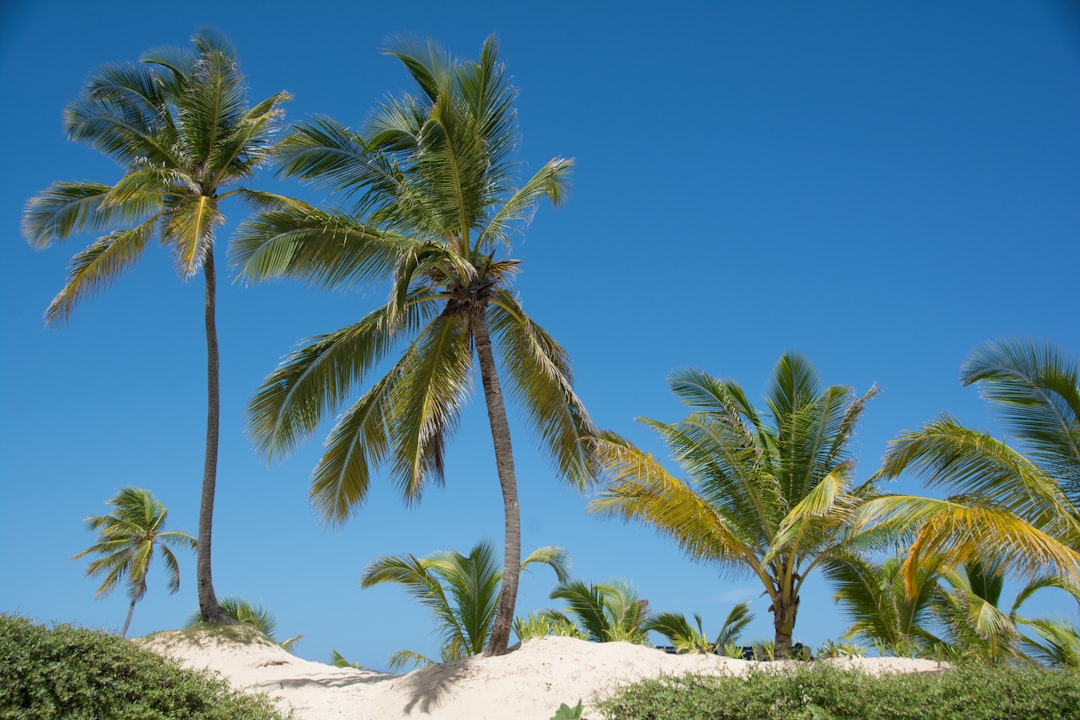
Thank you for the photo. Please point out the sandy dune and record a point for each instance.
(529, 683)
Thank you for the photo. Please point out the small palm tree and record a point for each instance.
(1016, 507)
(686, 638)
(461, 590)
(256, 616)
(768, 492)
(180, 126)
(605, 612)
(437, 205)
(875, 598)
(127, 540)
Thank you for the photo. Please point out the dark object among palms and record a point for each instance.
(768, 493)
(436, 205)
(127, 540)
(181, 128)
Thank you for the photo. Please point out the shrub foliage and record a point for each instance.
(69, 672)
(819, 692)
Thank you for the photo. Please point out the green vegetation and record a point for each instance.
(770, 493)
(1015, 509)
(815, 692)
(127, 539)
(605, 612)
(256, 616)
(686, 638)
(461, 590)
(68, 672)
(436, 203)
(180, 128)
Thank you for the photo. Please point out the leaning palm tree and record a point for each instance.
(768, 493)
(127, 540)
(435, 209)
(181, 127)
(462, 591)
(1015, 505)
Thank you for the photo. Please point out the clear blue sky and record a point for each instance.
(878, 185)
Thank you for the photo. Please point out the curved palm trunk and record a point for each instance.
(504, 463)
(208, 604)
(127, 620)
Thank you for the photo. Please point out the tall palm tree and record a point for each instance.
(180, 126)
(435, 208)
(1017, 506)
(768, 493)
(127, 539)
(462, 591)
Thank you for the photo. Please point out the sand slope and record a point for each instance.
(529, 683)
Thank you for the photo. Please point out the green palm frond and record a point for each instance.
(735, 622)
(551, 181)
(1036, 389)
(542, 383)
(64, 209)
(1054, 641)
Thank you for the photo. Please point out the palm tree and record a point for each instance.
(605, 612)
(685, 638)
(874, 596)
(1016, 506)
(435, 211)
(462, 591)
(181, 128)
(768, 493)
(127, 539)
(256, 616)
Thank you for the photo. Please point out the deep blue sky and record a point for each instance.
(878, 185)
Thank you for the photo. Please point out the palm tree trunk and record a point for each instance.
(208, 604)
(784, 624)
(127, 620)
(504, 464)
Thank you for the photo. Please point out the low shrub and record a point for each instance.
(820, 693)
(70, 672)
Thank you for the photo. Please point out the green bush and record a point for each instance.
(824, 693)
(76, 673)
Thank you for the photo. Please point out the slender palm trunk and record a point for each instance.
(208, 604)
(784, 612)
(127, 620)
(504, 463)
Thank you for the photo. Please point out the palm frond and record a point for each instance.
(64, 209)
(95, 268)
(542, 383)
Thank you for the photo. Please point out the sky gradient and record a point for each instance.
(880, 186)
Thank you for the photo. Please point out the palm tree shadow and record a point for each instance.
(428, 687)
(330, 680)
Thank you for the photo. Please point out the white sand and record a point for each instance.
(528, 683)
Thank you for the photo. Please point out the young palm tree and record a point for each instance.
(1017, 506)
(462, 591)
(182, 130)
(769, 493)
(127, 539)
(605, 612)
(256, 616)
(436, 206)
(875, 598)
(685, 638)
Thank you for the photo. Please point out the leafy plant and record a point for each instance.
(685, 638)
(605, 612)
(338, 660)
(62, 672)
(565, 712)
(256, 616)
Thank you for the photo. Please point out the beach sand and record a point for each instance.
(529, 683)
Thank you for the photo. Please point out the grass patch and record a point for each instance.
(211, 634)
(820, 692)
(69, 672)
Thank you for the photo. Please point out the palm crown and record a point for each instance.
(772, 498)
(434, 205)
